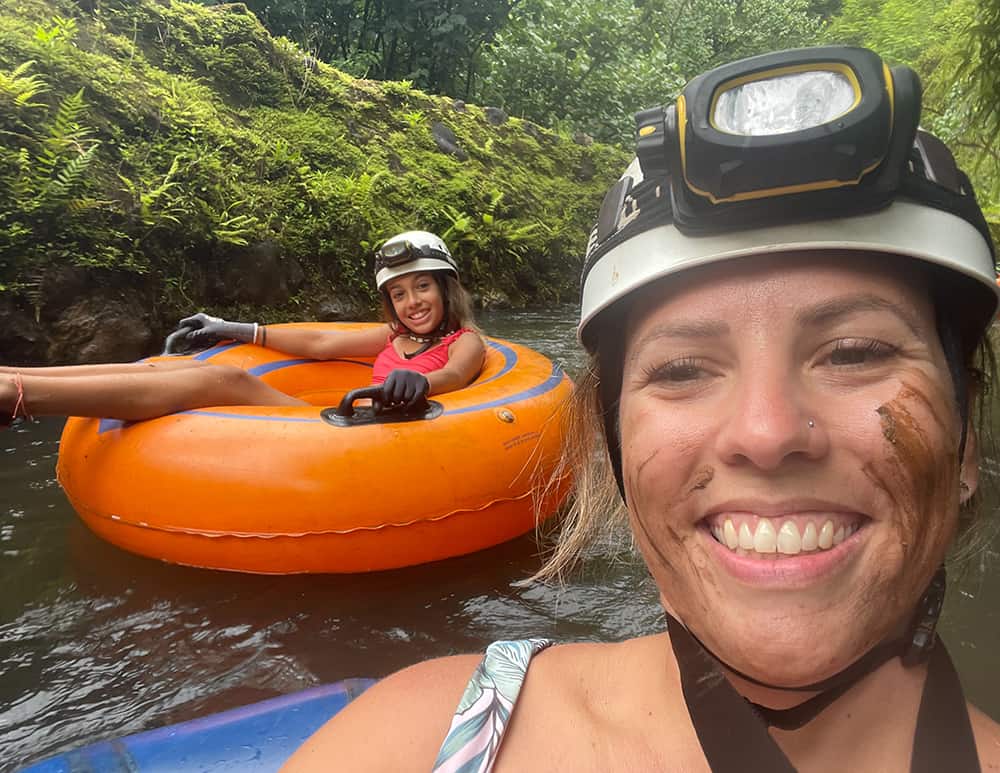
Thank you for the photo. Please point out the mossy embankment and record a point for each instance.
(159, 157)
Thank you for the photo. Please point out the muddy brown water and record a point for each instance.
(97, 643)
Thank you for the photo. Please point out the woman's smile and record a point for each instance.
(782, 529)
(790, 551)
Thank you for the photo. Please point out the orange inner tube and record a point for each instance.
(279, 490)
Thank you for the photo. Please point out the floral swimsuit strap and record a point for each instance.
(484, 712)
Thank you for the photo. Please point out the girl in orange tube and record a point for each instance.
(428, 345)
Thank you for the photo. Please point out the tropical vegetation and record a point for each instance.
(247, 157)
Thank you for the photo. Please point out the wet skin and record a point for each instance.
(418, 303)
(724, 370)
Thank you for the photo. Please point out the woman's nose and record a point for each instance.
(771, 419)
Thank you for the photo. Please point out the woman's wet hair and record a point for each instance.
(457, 306)
(971, 359)
(595, 510)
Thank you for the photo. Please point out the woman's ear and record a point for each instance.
(968, 473)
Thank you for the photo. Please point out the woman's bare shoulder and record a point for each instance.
(398, 724)
(987, 734)
(409, 712)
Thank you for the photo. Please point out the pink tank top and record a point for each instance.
(433, 359)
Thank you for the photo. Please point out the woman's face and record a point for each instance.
(790, 455)
(417, 301)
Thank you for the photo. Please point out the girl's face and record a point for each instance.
(790, 455)
(417, 301)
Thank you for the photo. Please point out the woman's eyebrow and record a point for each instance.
(684, 329)
(830, 311)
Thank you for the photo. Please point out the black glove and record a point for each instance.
(405, 387)
(205, 326)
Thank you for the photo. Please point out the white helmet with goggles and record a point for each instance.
(809, 149)
(409, 252)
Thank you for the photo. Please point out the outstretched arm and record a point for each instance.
(301, 342)
(465, 360)
(324, 345)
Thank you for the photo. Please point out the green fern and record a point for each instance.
(22, 184)
(19, 88)
(67, 179)
(65, 137)
(234, 229)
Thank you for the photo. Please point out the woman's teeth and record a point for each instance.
(787, 540)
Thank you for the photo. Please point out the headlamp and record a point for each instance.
(823, 120)
(395, 253)
(809, 149)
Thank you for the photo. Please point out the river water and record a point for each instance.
(96, 643)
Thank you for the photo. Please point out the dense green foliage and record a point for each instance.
(591, 66)
(164, 138)
(437, 44)
(575, 64)
(953, 45)
(581, 65)
(986, 71)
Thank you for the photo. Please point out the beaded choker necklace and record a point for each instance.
(419, 339)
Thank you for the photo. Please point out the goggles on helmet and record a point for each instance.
(396, 253)
(813, 148)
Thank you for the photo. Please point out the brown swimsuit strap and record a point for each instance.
(734, 736)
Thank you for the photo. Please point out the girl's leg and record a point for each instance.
(140, 395)
(72, 371)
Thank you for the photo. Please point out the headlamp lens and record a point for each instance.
(394, 251)
(784, 103)
(393, 254)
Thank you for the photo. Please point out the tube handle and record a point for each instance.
(169, 345)
(373, 393)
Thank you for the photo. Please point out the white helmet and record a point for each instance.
(409, 252)
(708, 185)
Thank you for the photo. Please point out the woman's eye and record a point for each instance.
(860, 351)
(679, 371)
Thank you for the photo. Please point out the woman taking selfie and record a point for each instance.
(785, 300)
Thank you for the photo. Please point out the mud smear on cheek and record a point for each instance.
(700, 481)
(919, 478)
(682, 569)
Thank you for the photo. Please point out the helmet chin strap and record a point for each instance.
(913, 649)
(733, 731)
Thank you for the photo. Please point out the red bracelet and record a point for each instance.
(20, 405)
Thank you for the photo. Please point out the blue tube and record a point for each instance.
(258, 738)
